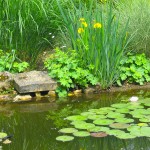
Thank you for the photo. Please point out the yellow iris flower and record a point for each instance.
(85, 24)
(97, 25)
(80, 30)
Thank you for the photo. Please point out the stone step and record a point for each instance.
(34, 81)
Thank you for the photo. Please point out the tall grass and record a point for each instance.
(95, 34)
(138, 11)
(25, 25)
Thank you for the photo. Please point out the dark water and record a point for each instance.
(35, 125)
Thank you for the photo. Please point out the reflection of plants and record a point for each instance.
(96, 37)
(134, 69)
(67, 70)
(10, 62)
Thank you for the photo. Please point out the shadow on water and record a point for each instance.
(35, 126)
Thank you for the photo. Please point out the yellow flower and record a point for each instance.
(80, 30)
(81, 19)
(85, 24)
(97, 25)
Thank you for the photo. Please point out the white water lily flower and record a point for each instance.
(133, 98)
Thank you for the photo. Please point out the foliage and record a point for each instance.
(95, 35)
(138, 25)
(10, 62)
(134, 69)
(67, 70)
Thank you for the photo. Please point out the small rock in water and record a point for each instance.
(22, 98)
(133, 98)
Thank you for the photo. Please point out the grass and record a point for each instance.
(26, 26)
(139, 25)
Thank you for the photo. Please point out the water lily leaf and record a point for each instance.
(103, 121)
(77, 122)
(99, 134)
(115, 115)
(144, 119)
(147, 104)
(87, 113)
(81, 133)
(2, 135)
(125, 136)
(68, 130)
(107, 109)
(124, 120)
(95, 129)
(94, 117)
(76, 118)
(133, 106)
(142, 124)
(120, 105)
(133, 128)
(64, 138)
(84, 126)
(93, 110)
(119, 125)
(123, 110)
(114, 132)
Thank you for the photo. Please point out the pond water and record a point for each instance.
(35, 125)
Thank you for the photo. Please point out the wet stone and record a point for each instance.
(34, 81)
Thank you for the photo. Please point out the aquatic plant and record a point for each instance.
(123, 126)
(95, 35)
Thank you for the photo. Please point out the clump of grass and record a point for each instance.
(139, 25)
(25, 26)
(95, 34)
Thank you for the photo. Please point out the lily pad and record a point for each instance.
(81, 133)
(68, 130)
(134, 106)
(77, 122)
(94, 117)
(123, 110)
(115, 115)
(107, 109)
(147, 104)
(114, 132)
(144, 119)
(119, 125)
(125, 136)
(95, 129)
(2, 135)
(124, 120)
(103, 121)
(76, 118)
(99, 134)
(64, 138)
(142, 124)
(87, 113)
(84, 126)
(120, 105)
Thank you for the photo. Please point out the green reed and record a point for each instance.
(95, 34)
(25, 25)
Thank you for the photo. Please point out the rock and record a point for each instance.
(34, 81)
(4, 97)
(22, 98)
(52, 93)
(5, 85)
(77, 92)
(89, 90)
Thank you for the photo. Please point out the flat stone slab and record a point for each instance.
(34, 81)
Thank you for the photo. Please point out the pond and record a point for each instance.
(35, 125)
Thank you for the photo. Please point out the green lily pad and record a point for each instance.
(64, 138)
(99, 134)
(94, 117)
(2, 135)
(147, 104)
(95, 129)
(134, 128)
(87, 113)
(119, 125)
(68, 130)
(81, 133)
(123, 110)
(114, 132)
(120, 105)
(144, 119)
(124, 120)
(107, 109)
(103, 121)
(115, 115)
(77, 122)
(134, 106)
(76, 118)
(125, 136)
(141, 124)
(93, 110)
(84, 126)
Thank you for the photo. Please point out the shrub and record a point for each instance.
(134, 69)
(10, 62)
(67, 70)
(97, 38)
